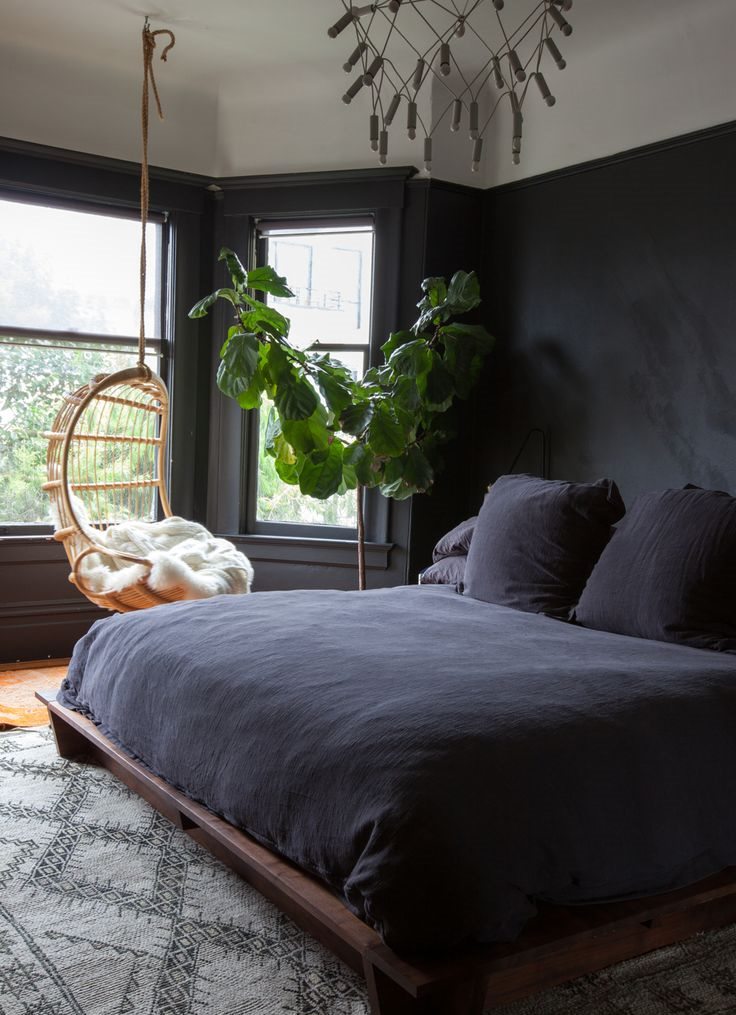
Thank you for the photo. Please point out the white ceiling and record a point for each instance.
(255, 87)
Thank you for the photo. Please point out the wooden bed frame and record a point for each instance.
(561, 943)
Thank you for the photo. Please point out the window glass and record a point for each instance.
(330, 272)
(65, 271)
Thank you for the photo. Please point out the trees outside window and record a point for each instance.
(68, 311)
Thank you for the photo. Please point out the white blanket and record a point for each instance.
(182, 553)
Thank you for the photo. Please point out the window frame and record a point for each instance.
(376, 520)
(160, 346)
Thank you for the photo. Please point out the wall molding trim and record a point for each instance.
(642, 151)
(388, 174)
(16, 146)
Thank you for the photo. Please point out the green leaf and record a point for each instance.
(474, 334)
(321, 472)
(335, 393)
(406, 394)
(251, 399)
(295, 398)
(307, 435)
(266, 280)
(463, 292)
(282, 451)
(396, 339)
(411, 359)
(238, 364)
(287, 471)
(436, 291)
(234, 266)
(432, 304)
(263, 318)
(273, 429)
(355, 418)
(394, 483)
(385, 434)
(464, 362)
(437, 387)
(202, 306)
(417, 470)
(275, 364)
(360, 460)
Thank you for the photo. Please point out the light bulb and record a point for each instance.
(391, 111)
(555, 53)
(340, 25)
(497, 75)
(354, 57)
(543, 89)
(411, 120)
(372, 70)
(353, 90)
(564, 26)
(473, 125)
(477, 152)
(516, 67)
(445, 59)
(374, 132)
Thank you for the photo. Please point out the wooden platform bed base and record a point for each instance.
(560, 944)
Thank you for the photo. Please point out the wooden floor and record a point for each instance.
(18, 685)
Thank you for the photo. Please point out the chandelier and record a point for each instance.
(409, 49)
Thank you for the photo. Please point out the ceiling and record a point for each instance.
(255, 87)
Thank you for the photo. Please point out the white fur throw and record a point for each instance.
(182, 553)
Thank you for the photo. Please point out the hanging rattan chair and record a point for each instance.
(106, 464)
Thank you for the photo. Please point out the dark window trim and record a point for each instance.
(250, 523)
(241, 203)
(76, 337)
(41, 197)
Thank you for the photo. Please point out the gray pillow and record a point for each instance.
(448, 571)
(669, 572)
(537, 540)
(456, 542)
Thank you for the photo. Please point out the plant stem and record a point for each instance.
(361, 539)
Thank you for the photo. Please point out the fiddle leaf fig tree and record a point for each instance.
(329, 432)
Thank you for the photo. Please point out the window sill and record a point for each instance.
(307, 550)
(23, 533)
(265, 549)
(17, 537)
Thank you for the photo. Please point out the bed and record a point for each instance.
(466, 801)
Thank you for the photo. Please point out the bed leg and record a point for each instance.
(387, 997)
(69, 743)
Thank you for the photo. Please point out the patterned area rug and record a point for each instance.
(107, 909)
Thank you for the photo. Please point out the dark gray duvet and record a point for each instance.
(441, 762)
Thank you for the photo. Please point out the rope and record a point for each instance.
(149, 82)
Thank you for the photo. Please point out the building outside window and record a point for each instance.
(329, 267)
(68, 311)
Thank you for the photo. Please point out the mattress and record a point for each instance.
(443, 764)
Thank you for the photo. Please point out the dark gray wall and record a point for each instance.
(612, 290)
(447, 217)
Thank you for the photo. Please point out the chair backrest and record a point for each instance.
(106, 456)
